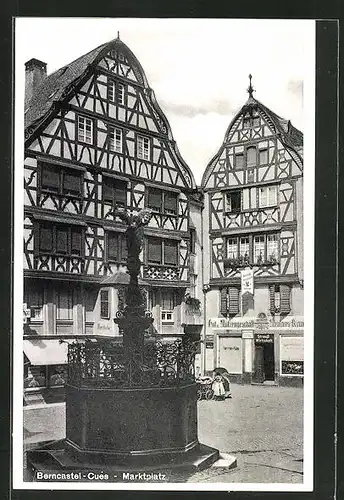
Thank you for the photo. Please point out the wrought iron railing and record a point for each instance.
(106, 364)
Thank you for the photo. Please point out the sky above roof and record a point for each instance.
(198, 68)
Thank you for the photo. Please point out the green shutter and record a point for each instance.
(272, 298)
(223, 301)
(285, 299)
(233, 300)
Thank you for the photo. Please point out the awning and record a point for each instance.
(62, 220)
(46, 352)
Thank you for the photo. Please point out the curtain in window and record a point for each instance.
(170, 252)
(167, 300)
(154, 251)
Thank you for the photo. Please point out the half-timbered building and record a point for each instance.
(253, 218)
(96, 139)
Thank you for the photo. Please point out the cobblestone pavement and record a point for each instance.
(262, 426)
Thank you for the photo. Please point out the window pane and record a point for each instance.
(167, 300)
(45, 239)
(72, 183)
(170, 203)
(234, 201)
(247, 122)
(120, 193)
(104, 304)
(108, 189)
(272, 195)
(62, 240)
(245, 199)
(263, 197)
(111, 91)
(65, 304)
(115, 139)
(263, 156)
(244, 246)
(155, 199)
(113, 246)
(154, 251)
(251, 156)
(50, 178)
(259, 249)
(170, 251)
(120, 93)
(232, 248)
(239, 160)
(272, 246)
(76, 242)
(255, 121)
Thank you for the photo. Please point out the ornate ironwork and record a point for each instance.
(105, 364)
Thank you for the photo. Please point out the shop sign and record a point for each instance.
(242, 323)
(230, 354)
(247, 280)
(291, 353)
(264, 338)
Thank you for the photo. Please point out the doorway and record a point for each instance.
(264, 362)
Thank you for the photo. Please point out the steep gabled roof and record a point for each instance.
(54, 86)
(290, 136)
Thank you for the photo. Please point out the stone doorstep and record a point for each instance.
(225, 461)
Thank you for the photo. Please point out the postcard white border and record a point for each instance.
(309, 174)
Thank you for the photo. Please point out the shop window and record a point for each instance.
(85, 130)
(233, 201)
(116, 246)
(114, 191)
(104, 304)
(61, 181)
(165, 202)
(229, 301)
(44, 376)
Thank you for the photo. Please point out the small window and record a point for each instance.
(116, 247)
(155, 199)
(263, 156)
(259, 249)
(167, 317)
(50, 178)
(255, 121)
(233, 202)
(154, 251)
(272, 248)
(170, 203)
(85, 130)
(232, 248)
(104, 304)
(116, 92)
(115, 139)
(114, 191)
(45, 239)
(247, 122)
(170, 253)
(244, 246)
(111, 91)
(251, 153)
(71, 183)
(120, 93)
(239, 160)
(267, 196)
(143, 149)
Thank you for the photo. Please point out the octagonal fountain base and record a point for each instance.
(112, 429)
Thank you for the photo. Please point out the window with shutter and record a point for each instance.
(72, 183)
(272, 298)
(223, 301)
(170, 253)
(50, 179)
(113, 247)
(154, 251)
(233, 296)
(170, 203)
(62, 240)
(45, 239)
(285, 299)
(76, 241)
(155, 199)
(251, 156)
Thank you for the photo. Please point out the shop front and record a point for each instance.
(260, 350)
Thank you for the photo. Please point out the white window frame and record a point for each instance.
(167, 317)
(111, 91)
(85, 129)
(274, 240)
(120, 93)
(270, 194)
(143, 147)
(115, 139)
(258, 249)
